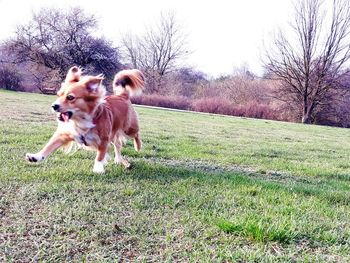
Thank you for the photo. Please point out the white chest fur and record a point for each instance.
(82, 132)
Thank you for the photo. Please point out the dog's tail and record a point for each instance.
(130, 82)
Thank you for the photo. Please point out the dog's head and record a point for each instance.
(78, 96)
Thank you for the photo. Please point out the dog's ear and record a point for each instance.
(74, 74)
(93, 83)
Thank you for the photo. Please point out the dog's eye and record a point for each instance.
(70, 97)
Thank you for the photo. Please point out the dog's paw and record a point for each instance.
(34, 158)
(98, 167)
(106, 159)
(126, 164)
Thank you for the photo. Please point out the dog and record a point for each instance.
(91, 119)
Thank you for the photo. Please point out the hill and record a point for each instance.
(204, 188)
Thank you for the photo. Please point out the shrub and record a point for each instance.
(174, 102)
(222, 106)
(9, 79)
(255, 110)
(213, 105)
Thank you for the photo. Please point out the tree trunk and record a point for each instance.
(306, 118)
(307, 110)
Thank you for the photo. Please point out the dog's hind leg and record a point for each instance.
(118, 145)
(137, 142)
(134, 133)
(56, 141)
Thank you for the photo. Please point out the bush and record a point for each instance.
(174, 102)
(222, 106)
(10, 79)
(213, 105)
(255, 110)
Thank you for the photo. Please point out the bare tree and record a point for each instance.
(310, 62)
(183, 82)
(159, 51)
(56, 39)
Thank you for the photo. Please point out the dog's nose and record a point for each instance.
(55, 107)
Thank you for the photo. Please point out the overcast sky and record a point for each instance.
(222, 34)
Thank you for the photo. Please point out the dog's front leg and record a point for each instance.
(56, 141)
(101, 158)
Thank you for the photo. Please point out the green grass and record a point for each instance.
(204, 189)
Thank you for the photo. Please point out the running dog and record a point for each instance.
(91, 119)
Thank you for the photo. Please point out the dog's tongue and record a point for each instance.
(65, 117)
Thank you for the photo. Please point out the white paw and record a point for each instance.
(117, 160)
(98, 167)
(106, 159)
(126, 164)
(34, 157)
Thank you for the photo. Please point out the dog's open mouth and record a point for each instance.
(64, 116)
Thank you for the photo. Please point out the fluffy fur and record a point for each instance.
(92, 120)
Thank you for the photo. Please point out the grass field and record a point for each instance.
(204, 189)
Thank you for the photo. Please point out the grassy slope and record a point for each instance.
(204, 188)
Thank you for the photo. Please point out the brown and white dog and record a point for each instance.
(87, 117)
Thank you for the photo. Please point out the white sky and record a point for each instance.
(222, 34)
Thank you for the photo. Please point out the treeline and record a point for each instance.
(306, 76)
